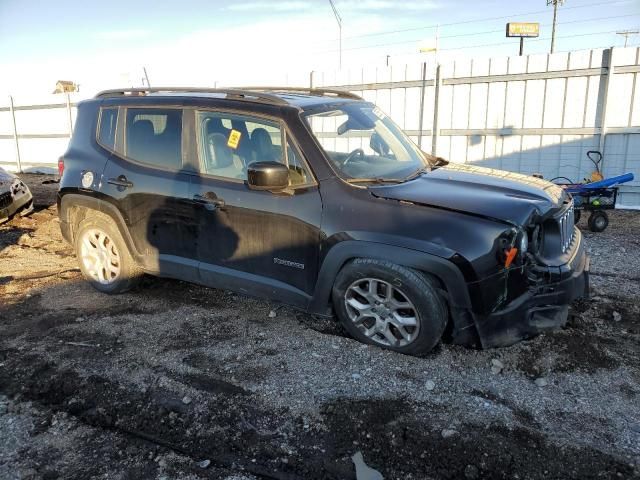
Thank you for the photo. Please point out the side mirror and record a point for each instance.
(272, 176)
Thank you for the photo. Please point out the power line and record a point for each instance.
(540, 39)
(387, 44)
(389, 32)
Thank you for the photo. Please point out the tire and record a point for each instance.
(377, 324)
(576, 216)
(598, 221)
(103, 256)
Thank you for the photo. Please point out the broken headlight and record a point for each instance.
(536, 239)
(523, 243)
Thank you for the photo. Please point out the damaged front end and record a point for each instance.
(15, 197)
(543, 267)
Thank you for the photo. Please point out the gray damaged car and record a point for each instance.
(15, 196)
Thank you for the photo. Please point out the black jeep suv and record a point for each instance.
(315, 198)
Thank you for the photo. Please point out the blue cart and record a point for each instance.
(596, 197)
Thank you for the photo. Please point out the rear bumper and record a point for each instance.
(543, 307)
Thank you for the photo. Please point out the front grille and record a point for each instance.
(565, 224)
(5, 199)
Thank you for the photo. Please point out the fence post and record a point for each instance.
(605, 99)
(69, 113)
(435, 132)
(311, 79)
(15, 134)
(422, 90)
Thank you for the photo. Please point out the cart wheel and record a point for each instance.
(576, 216)
(598, 221)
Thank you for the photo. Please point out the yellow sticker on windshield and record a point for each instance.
(234, 139)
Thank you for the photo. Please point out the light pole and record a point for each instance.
(555, 4)
(339, 20)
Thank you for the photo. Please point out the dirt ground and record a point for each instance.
(178, 381)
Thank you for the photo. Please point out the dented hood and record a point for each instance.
(6, 180)
(497, 194)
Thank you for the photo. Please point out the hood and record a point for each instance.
(497, 194)
(6, 180)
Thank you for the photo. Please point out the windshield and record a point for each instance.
(364, 144)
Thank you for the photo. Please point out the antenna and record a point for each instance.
(146, 77)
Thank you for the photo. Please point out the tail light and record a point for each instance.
(60, 166)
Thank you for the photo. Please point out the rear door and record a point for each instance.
(147, 180)
(255, 241)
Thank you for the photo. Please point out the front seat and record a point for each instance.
(220, 159)
(263, 146)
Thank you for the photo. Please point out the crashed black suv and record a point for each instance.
(315, 198)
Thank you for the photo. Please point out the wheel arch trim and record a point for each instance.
(343, 252)
(70, 201)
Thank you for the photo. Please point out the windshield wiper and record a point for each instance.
(377, 180)
(417, 173)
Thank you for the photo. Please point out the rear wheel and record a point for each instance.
(388, 305)
(598, 221)
(103, 256)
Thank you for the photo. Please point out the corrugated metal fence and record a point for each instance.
(532, 114)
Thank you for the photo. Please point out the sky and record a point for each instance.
(221, 43)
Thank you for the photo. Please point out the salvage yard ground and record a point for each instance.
(179, 381)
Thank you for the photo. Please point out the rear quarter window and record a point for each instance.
(107, 127)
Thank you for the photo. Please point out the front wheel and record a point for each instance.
(389, 305)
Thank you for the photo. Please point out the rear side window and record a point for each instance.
(154, 136)
(107, 128)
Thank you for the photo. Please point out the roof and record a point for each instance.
(299, 97)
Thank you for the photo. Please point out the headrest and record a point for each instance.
(263, 145)
(142, 129)
(220, 155)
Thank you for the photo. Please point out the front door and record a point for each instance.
(258, 242)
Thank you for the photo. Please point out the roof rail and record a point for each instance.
(230, 93)
(312, 91)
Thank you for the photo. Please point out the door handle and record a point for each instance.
(209, 203)
(121, 181)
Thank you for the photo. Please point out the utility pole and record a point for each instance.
(555, 4)
(626, 34)
(339, 20)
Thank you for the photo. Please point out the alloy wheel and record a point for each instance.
(382, 312)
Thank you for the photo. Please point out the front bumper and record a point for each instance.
(20, 201)
(542, 307)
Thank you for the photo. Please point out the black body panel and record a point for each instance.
(289, 246)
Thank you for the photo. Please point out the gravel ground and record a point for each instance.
(179, 381)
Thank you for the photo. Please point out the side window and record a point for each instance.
(107, 127)
(154, 136)
(229, 143)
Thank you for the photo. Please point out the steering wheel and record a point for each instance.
(357, 152)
